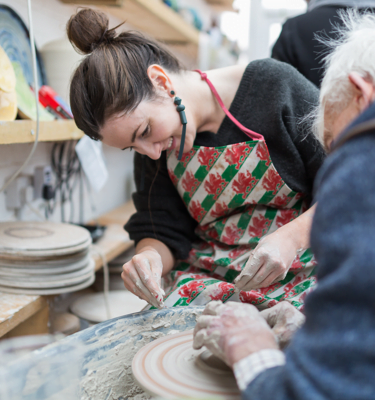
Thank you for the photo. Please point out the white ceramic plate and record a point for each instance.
(45, 292)
(42, 262)
(168, 367)
(34, 280)
(48, 283)
(42, 270)
(27, 238)
(92, 307)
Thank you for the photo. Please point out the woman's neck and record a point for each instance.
(197, 95)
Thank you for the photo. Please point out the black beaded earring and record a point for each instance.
(181, 110)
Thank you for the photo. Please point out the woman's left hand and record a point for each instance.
(271, 259)
(268, 263)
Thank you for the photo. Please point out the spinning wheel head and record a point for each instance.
(169, 367)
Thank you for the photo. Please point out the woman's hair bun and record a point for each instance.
(87, 29)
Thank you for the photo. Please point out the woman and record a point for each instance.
(210, 196)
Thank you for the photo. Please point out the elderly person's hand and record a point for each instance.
(271, 259)
(285, 320)
(232, 331)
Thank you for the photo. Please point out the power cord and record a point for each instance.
(68, 171)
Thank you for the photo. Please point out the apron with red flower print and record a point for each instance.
(236, 195)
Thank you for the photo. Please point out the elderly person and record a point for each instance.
(332, 356)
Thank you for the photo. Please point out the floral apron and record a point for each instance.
(236, 195)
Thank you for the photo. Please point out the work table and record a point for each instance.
(27, 315)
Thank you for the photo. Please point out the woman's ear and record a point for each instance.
(363, 89)
(160, 79)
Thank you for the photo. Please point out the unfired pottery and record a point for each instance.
(169, 367)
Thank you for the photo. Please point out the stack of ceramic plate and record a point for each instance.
(44, 258)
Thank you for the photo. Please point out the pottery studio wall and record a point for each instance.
(50, 17)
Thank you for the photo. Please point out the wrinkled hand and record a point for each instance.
(285, 320)
(268, 263)
(232, 331)
(142, 276)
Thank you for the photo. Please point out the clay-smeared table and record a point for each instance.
(169, 367)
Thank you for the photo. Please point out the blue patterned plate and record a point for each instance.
(14, 39)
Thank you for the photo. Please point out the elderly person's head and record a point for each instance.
(348, 87)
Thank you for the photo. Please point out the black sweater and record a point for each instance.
(297, 44)
(271, 99)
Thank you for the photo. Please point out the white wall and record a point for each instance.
(50, 17)
(264, 14)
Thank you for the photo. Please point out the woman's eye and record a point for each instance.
(145, 132)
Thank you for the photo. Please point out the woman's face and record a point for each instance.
(154, 126)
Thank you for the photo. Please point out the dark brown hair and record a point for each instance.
(112, 78)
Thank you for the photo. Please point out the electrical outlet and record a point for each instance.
(42, 178)
(18, 192)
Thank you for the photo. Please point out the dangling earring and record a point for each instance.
(181, 110)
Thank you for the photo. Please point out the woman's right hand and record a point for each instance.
(142, 276)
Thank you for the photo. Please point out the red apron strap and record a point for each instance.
(253, 135)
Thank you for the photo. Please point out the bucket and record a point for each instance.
(27, 373)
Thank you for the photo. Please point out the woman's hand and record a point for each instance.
(285, 320)
(269, 262)
(232, 331)
(142, 276)
(271, 259)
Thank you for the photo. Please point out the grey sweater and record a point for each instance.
(271, 100)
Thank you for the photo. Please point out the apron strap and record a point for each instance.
(253, 135)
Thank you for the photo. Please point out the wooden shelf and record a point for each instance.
(221, 5)
(50, 131)
(18, 311)
(155, 19)
(150, 16)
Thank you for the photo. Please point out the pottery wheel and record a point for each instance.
(169, 367)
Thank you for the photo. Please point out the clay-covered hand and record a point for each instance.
(268, 263)
(232, 331)
(285, 320)
(142, 276)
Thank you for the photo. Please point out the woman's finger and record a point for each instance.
(132, 274)
(132, 288)
(157, 270)
(143, 268)
(268, 281)
(252, 266)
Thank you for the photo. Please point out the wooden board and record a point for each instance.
(115, 239)
(37, 324)
(119, 215)
(114, 242)
(221, 5)
(159, 21)
(95, 2)
(15, 309)
(23, 131)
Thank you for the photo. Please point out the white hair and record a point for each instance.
(353, 50)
